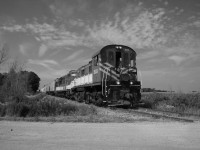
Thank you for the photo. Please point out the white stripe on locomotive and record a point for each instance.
(101, 69)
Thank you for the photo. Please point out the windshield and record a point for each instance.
(125, 60)
(132, 60)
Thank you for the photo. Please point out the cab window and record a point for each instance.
(90, 68)
(82, 72)
(111, 57)
(96, 60)
(132, 59)
(103, 57)
(125, 60)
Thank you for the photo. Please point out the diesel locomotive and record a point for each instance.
(109, 79)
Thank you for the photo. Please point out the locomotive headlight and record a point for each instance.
(131, 82)
(118, 82)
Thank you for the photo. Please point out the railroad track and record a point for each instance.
(163, 114)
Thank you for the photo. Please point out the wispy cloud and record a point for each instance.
(148, 55)
(53, 74)
(14, 28)
(22, 49)
(63, 10)
(25, 48)
(42, 50)
(135, 26)
(45, 63)
(74, 55)
(143, 30)
(177, 59)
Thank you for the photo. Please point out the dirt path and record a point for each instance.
(85, 136)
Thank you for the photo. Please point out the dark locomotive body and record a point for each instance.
(110, 79)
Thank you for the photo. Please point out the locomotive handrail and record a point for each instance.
(102, 83)
(105, 82)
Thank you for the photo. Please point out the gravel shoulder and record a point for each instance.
(21, 135)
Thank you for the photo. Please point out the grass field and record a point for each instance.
(186, 103)
(43, 107)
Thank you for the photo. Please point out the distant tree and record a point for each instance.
(13, 86)
(17, 82)
(33, 81)
(3, 53)
(1, 79)
(148, 89)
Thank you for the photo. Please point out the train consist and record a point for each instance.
(109, 79)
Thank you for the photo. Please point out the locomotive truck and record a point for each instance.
(109, 79)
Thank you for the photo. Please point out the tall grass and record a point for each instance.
(46, 106)
(176, 102)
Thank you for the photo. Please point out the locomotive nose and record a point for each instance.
(124, 77)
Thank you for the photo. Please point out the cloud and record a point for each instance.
(41, 29)
(148, 55)
(42, 50)
(143, 30)
(1, 37)
(45, 63)
(177, 59)
(63, 10)
(52, 74)
(52, 62)
(74, 55)
(79, 62)
(22, 49)
(77, 22)
(196, 23)
(148, 31)
(25, 48)
(35, 28)
(14, 28)
(166, 3)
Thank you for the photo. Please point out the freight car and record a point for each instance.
(109, 79)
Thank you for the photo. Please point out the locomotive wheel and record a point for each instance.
(77, 97)
(87, 98)
(81, 97)
(99, 101)
(134, 100)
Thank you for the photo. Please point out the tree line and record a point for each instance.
(16, 82)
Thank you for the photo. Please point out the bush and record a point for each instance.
(17, 109)
(152, 100)
(2, 110)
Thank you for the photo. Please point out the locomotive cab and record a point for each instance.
(119, 75)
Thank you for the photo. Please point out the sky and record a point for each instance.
(52, 37)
